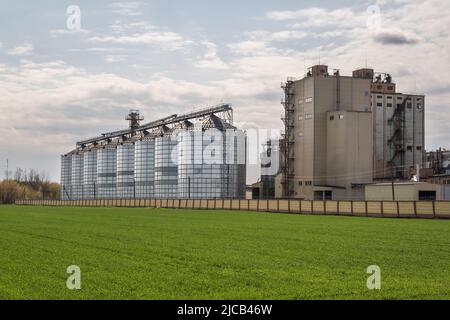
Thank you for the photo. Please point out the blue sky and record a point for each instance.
(58, 85)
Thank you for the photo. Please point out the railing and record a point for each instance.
(398, 209)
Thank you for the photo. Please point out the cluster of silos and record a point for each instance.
(190, 160)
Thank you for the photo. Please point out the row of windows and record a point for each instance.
(409, 148)
(341, 116)
(308, 116)
(408, 105)
(307, 100)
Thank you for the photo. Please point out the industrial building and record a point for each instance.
(328, 141)
(398, 127)
(438, 161)
(345, 132)
(198, 155)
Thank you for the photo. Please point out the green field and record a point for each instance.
(127, 253)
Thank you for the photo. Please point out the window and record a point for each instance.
(300, 183)
(380, 97)
(379, 104)
(419, 106)
(300, 118)
(341, 116)
(300, 101)
(427, 195)
(409, 105)
(308, 116)
(308, 100)
(308, 183)
(331, 117)
(389, 105)
(322, 195)
(409, 148)
(419, 148)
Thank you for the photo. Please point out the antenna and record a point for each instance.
(304, 66)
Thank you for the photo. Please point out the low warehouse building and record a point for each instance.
(403, 191)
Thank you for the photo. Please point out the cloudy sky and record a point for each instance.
(59, 84)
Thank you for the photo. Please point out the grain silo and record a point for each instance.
(144, 167)
(66, 177)
(90, 174)
(125, 170)
(107, 172)
(77, 175)
(166, 167)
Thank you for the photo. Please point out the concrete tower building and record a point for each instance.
(328, 142)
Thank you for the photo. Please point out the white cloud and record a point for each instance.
(112, 58)
(55, 33)
(318, 17)
(141, 33)
(210, 60)
(21, 50)
(127, 8)
(250, 48)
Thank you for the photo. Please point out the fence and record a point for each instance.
(405, 209)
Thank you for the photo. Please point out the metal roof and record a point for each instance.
(175, 118)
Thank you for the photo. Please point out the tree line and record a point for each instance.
(28, 184)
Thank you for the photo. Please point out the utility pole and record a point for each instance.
(7, 169)
(189, 187)
(392, 181)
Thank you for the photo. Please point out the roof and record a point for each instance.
(403, 183)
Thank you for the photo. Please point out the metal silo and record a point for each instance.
(166, 169)
(107, 172)
(90, 174)
(204, 169)
(66, 177)
(77, 176)
(144, 168)
(125, 171)
(235, 167)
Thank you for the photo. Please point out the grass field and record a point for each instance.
(177, 254)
